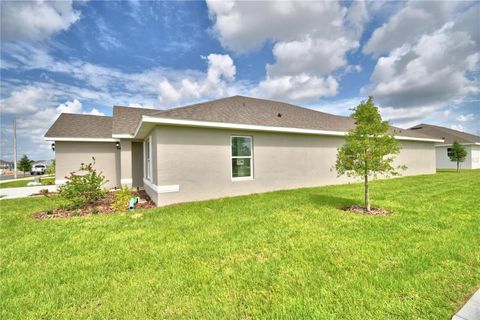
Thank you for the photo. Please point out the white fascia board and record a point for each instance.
(122, 136)
(238, 126)
(81, 139)
(463, 144)
(417, 139)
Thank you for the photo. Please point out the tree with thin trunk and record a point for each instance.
(458, 153)
(25, 164)
(369, 149)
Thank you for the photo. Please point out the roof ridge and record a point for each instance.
(137, 108)
(293, 106)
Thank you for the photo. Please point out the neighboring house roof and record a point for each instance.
(449, 135)
(70, 125)
(126, 119)
(233, 110)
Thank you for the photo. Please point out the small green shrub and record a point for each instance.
(51, 168)
(121, 201)
(47, 181)
(83, 187)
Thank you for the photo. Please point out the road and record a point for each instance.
(10, 176)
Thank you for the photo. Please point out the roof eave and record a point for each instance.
(143, 128)
(80, 139)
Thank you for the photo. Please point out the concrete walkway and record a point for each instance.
(12, 193)
(471, 310)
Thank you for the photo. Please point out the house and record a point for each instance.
(226, 147)
(6, 165)
(470, 141)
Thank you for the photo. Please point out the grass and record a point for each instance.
(288, 254)
(23, 183)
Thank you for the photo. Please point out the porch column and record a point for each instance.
(126, 162)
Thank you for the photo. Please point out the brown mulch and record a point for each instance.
(101, 206)
(373, 211)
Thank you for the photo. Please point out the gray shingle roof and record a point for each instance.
(246, 110)
(126, 119)
(236, 109)
(70, 125)
(449, 135)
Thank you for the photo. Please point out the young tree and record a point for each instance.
(25, 164)
(458, 153)
(368, 150)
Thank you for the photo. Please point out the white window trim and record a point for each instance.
(148, 168)
(241, 157)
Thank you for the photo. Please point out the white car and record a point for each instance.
(38, 169)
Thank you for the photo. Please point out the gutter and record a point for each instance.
(75, 139)
(238, 126)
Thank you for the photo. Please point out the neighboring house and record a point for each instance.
(470, 141)
(219, 148)
(6, 165)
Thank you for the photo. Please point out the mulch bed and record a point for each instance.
(373, 211)
(101, 206)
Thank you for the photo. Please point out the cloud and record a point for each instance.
(221, 70)
(319, 56)
(35, 20)
(107, 85)
(74, 106)
(409, 24)
(302, 87)
(458, 127)
(33, 126)
(306, 52)
(466, 117)
(430, 71)
(25, 100)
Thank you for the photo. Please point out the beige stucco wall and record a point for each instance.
(69, 156)
(444, 162)
(137, 164)
(198, 161)
(419, 157)
(475, 157)
(126, 162)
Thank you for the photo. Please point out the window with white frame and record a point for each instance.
(449, 152)
(242, 157)
(147, 147)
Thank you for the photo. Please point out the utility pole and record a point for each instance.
(15, 147)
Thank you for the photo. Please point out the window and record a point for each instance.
(242, 160)
(147, 147)
(449, 152)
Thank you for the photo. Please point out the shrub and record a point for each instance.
(51, 168)
(83, 187)
(47, 181)
(122, 199)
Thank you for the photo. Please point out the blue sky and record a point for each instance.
(420, 60)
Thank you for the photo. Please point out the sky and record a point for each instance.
(420, 59)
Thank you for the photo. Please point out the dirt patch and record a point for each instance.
(373, 211)
(101, 206)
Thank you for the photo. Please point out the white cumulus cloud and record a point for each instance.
(27, 99)
(432, 69)
(35, 20)
(311, 41)
(221, 70)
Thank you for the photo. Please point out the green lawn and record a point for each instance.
(23, 183)
(288, 254)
